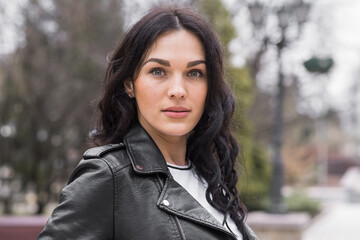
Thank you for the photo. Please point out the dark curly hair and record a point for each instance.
(211, 146)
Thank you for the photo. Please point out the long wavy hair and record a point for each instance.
(211, 146)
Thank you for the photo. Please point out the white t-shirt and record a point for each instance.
(187, 178)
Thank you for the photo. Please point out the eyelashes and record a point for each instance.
(196, 73)
(160, 72)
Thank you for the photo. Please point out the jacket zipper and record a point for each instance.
(178, 225)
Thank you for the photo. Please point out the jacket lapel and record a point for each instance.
(146, 158)
(176, 200)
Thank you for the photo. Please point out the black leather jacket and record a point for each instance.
(125, 191)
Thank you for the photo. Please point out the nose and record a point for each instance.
(177, 87)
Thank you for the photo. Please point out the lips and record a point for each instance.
(176, 112)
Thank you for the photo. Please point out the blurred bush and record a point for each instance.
(254, 174)
(298, 201)
(48, 87)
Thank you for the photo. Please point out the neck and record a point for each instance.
(173, 149)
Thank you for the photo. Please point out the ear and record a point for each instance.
(129, 88)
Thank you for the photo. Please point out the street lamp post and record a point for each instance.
(285, 13)
(321, 65)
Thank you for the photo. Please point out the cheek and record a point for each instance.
(147, 96)
(201, 94)
(147, 91)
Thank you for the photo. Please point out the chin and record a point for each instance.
(176, 130)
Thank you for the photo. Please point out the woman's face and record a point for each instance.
(171, 87)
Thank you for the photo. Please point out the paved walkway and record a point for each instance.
(339, 220)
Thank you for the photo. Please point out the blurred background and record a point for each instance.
(293, 66)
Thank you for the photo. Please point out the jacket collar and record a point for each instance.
(176, 200)
(146, 158)
(144, 154)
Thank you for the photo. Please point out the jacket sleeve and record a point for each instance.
(85, 210)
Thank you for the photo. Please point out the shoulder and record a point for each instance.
(114, 155)
(101, 162)
(97, 152)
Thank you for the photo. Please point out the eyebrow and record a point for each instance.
(194, 63)
(167, 63)
(158, 60)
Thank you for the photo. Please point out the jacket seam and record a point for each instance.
(195, 219)
(177, 222)
(199, 220)
(115, 168)
(206, 223)
(133, 162)
(109, 167)
(118, 169)
(114, 193)
(102, 150)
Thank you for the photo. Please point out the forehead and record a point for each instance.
(179, 42)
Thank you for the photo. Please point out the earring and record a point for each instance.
(129, 88)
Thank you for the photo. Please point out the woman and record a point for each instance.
(164, 165)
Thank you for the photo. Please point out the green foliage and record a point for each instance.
(220, 17)
(255, 191)
(49, 84)
(254, 182)
(241, 85)
(298, 201)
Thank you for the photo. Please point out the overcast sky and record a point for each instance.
(333, 30)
